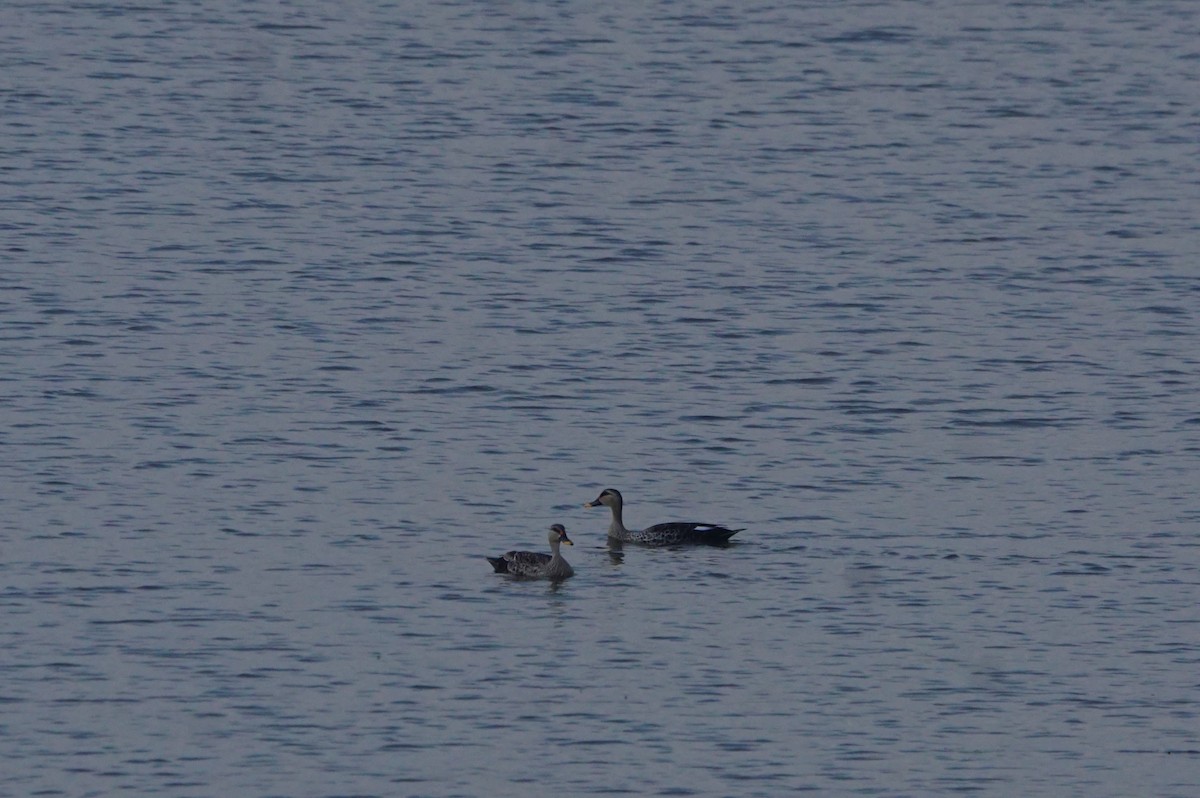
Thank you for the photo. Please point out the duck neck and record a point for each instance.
(558, 567)
(617, 528)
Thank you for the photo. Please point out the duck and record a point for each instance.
(535, 565)
(672, 533)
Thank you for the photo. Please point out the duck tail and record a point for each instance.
(499, 563)
(721, 534)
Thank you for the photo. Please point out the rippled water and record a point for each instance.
(305, 309)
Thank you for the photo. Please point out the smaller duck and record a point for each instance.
(535, 565)
(673, 533)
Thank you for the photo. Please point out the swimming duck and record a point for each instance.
(669, 534)
(535, 565)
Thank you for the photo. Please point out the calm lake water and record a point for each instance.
(305, 308)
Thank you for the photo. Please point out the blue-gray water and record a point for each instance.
(307, 307)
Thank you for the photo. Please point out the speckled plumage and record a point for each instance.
(535, 565)
(672, 533)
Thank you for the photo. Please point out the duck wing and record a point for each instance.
(676, 533)
(525, 563)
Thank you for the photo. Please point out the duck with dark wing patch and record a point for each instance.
(672, 533)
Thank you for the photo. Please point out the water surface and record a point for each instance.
(307, 309)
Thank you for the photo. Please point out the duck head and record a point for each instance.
(558, 534)
(609, 497)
